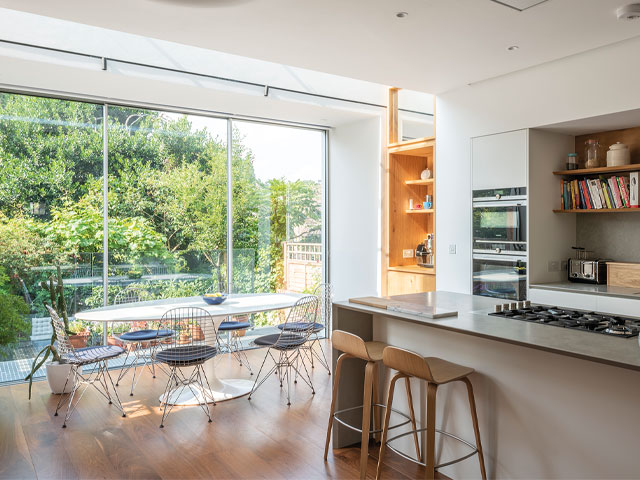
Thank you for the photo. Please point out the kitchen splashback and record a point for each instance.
(613, 236)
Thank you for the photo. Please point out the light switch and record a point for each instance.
(452, 248)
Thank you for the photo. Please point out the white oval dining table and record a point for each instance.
(240, 304)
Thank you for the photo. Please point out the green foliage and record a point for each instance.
(13, 310)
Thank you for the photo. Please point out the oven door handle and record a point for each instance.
(498, 257)
(502, 203)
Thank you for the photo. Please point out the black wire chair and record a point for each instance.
(194, 341)
(287, 345)
(141, 344)
(313, 348)
(98, 376)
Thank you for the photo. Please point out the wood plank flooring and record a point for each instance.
(261, 438)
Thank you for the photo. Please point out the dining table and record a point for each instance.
(154, 310)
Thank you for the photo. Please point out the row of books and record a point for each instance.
(598, 193)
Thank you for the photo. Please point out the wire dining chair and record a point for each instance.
(141, 344)
(287, 344)
(230, 343)
(313, 348)
(98, 376)
(195, 340)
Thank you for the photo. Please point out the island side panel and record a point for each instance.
(350, 393)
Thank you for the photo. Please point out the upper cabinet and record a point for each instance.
(500, 160)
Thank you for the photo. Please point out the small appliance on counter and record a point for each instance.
(424, 252)
(582, 269)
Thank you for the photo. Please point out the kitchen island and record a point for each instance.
(552, 402)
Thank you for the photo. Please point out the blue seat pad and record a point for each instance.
(280, 340)
(93, 354)
(300, 327)
(186, 354)
(225, 326)
(141, 335)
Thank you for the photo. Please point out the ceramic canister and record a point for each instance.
(618, 154)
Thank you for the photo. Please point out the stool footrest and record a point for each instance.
(442, 432)
(359, 407)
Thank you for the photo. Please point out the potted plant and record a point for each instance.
(57, 370)
(79, 334)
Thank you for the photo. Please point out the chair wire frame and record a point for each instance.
(195, 340)
(136, 348)
(98, 377)
(313, 348)
(230, 343)
(285, 349)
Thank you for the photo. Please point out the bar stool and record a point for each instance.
(371, 352)
(436, 372)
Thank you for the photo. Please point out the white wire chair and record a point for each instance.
(195, 341)
(287, 343)
(98, 377)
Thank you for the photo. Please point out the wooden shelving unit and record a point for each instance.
(404, 228)
(598, 210)
(598, 171)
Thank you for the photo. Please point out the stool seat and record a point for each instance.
(355, 346)
(443, 371)
(374, 351)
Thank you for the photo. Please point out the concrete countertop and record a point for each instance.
(590, 289)
(473, 319)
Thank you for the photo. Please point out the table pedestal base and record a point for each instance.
(224, 390)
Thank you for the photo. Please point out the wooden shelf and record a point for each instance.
(414, 269)
(599, 210)
(600, 170)
(428, 181)
(420, 147)
(420, 210)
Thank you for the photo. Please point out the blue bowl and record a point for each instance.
(214, 300)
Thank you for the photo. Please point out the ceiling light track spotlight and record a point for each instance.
(629, 12)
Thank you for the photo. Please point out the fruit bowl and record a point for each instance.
(214, 299)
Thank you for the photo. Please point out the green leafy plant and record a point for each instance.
(12, 313)
(55, 288)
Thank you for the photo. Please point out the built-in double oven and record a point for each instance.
(500, 243)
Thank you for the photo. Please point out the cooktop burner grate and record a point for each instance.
(622, 327)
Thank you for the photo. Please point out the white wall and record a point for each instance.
(354, 208)
(594, 83)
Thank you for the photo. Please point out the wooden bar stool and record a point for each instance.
(371, 352)
(436, 372)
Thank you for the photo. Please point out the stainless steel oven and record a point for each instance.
(500, 243)
(500, 276)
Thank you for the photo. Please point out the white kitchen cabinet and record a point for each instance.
(500, 160)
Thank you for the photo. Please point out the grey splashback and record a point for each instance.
(614, 236)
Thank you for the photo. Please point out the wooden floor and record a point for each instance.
(261, 438)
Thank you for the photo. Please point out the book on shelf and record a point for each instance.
(625, 191)
(633, 189)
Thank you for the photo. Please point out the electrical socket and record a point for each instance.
(407, 253)
(452, 248)
(554, 266)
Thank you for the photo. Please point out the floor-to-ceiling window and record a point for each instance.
(168, 204)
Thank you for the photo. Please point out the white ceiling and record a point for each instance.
(441, 45)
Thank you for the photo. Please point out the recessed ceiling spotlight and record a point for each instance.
(513, 48)
(402, 14)
(629, 12)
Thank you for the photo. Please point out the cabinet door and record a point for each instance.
(499, 161)
(402, 283)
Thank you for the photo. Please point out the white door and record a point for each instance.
(500, 160)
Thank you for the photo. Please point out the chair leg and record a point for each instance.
(334, 396)
(476, 429)
(387, 416)
(432, 389)
(366, 417)
(376, 399)
(412, 416)
(71, 370)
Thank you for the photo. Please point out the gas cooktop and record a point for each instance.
(576, 319)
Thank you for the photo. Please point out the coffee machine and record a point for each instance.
(424, 252)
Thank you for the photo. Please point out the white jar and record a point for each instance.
(618, 154)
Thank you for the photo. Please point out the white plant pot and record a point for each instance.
(57, 376)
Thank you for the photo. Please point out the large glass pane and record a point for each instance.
(167, 206)
(277, 210)
(50, 215)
